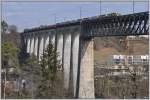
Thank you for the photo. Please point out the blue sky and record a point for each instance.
(33, 14)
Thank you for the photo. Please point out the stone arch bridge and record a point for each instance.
(74, 42)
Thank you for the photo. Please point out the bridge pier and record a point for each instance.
(32, 46)
(28, 45)
(60, 47)
(36, 46)
(66, 59)
(41, 47)
(86, 81)
(75, 55)
(46, 41)
(52, 39)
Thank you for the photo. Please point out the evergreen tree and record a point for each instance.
(49, 64)
(9, 55)
(9, 60)
(4, 26)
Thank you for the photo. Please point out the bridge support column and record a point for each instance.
(75, 53)
(86, 83)
(25, 41)
(52, 38)
(36, 46)
(28, 45)
(32, 45)
(41, 48)
(66, 59)
(46, 42)
(60, 47)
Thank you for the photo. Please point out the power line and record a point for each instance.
(55, 18)
(100, 7)
(133, 6)
(80, 12)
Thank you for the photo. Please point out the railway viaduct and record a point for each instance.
(74, 42)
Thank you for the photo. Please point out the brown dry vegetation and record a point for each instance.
(110, 46)
(108, 87)
(102, 54)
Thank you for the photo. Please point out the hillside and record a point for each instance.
(13, 38)
(105, 46)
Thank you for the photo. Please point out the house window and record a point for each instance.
(117, 61)
(145, 61)
(130, 60)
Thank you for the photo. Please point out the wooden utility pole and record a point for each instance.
(5, 84)
(80, 12)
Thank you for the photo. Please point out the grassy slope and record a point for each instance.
(110, 46)
(102, 54)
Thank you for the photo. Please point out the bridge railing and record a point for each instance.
(122, 25)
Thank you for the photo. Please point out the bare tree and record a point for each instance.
(12, 29)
